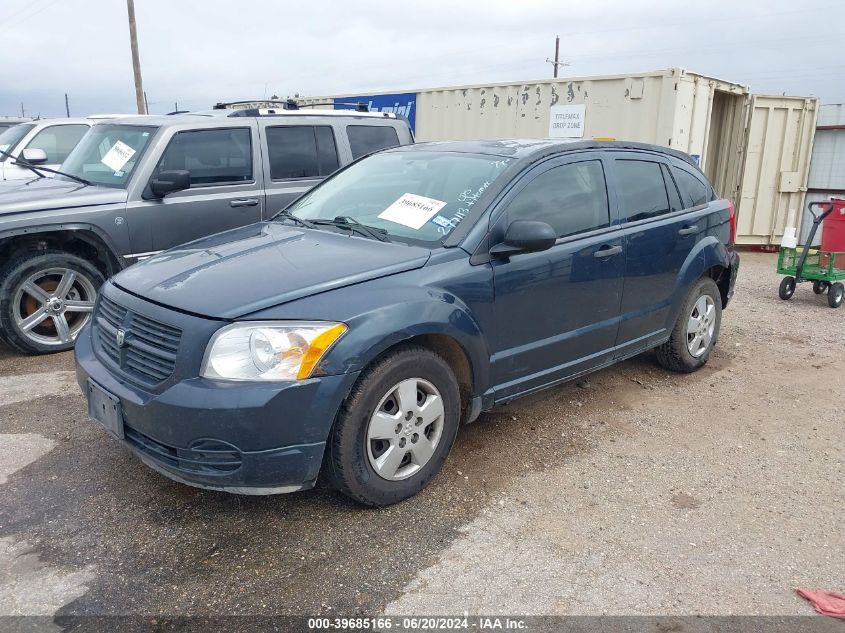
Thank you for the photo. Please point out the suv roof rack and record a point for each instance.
(259, 105)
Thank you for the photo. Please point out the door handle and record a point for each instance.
(607, 251)
(244, 202)
(689, 230)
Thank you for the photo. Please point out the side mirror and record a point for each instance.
(34, 156)
(525, 236)
(170, 182)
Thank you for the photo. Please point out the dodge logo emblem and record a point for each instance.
(120, 337)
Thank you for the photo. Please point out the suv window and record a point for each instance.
(303, 151)
(642, 189)
(364, 139)
(571, 198)
(212, 156)
(695, 191)
(57, 141)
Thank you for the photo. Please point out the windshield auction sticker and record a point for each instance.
(117, 156)
(412, 210)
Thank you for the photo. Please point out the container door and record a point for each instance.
(779, 140)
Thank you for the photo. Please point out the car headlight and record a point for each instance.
(269, 350)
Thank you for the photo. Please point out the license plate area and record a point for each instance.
(105, 409)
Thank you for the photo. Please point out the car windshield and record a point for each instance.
(415, 196)
(107, 154)
(12, 136)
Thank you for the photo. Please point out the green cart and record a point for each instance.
(806, 263)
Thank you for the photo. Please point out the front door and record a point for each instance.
(557, 311)
(226, 189)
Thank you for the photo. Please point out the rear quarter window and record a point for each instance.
(364, 139)
(693, 189)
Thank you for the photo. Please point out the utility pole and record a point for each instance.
(146, 103)
(67, 106)
(556, 63)
(22, 112)
(136, 62)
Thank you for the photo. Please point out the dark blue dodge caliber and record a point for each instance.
(403, 296)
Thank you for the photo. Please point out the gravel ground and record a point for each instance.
(634, 492)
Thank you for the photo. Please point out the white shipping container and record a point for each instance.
(713, 120)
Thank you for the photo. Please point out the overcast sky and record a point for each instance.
(198, 52)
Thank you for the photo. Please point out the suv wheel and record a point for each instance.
(696, 330)
(395, 429)
(45, 299)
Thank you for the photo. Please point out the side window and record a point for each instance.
(641, 189)
(57, 141)
(675, 203)
(364, 139)
(302, 151)
(571, 198)
(695, 191)
(212, 156)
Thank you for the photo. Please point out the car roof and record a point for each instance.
(527, 148)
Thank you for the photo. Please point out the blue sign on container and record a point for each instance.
(400, 103)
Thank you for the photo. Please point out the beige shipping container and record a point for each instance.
(753, 145)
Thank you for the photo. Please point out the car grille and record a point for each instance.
(206, 456)
(148, 353)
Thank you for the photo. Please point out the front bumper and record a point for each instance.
(245, 438)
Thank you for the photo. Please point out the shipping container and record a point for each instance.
(731, 134)
(827, 167)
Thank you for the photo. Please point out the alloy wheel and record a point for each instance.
(701, 326)
(405, 429)
(51, 306)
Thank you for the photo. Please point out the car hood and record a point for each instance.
(238, 272)
(43, 194)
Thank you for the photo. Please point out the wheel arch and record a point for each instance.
(85, 241)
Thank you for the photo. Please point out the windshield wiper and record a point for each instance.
(284, 214)
(354, 226)
(20, 161)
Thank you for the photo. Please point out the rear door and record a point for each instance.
(295, 158)
(557, 311)
(226, 188)
(660, 232)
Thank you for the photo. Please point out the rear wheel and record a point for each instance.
(787, 288)
(820, 287)
(696, 330)
(395, 429)
(46, 298)
(834, 297)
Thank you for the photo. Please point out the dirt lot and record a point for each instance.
(635, 492)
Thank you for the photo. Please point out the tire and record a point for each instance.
(820, 287)
(689, 349)
(354, 455)
(787, 288)
(57, 319)
(834, 296)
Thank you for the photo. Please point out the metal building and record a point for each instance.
(827, 167)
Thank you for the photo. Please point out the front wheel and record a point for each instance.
(46, 298)
(787, 288)
(394, 431)
(696, 330)
(834, 296)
